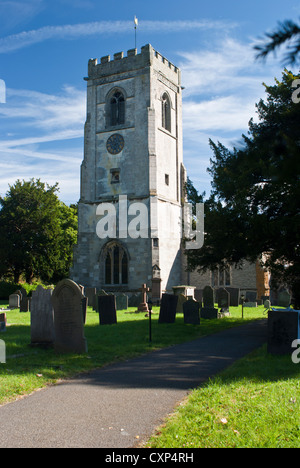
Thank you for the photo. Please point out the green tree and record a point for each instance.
(287, 33)
(254, 206)
(37, 232)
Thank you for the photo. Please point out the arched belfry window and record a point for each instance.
(115, 264)
(116, 109)
(166, 112)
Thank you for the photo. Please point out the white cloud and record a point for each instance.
(47, 141)
(27, 38)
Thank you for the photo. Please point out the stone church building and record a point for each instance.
(132, 182)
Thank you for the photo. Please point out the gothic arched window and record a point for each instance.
(116, 264)
(117, 109)
(166, 112)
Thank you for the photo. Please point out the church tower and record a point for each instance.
(132, 175)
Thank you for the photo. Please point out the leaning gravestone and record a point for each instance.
(167, 313)
(234, 296)
(284, 299)
(223, 299)
(42, 317)
(107, 309)
(283, 329)
(14, 301)
(68, 318)
(191, 311)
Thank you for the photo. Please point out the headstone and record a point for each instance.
(42, 316)
(208, 297)
(234, 296)
(283, 329)
(167, 313)
(143, 306)
(121, 302)
(134, 300)
(107, 309)
(208, 310)
(250, 304)
(223, 299)
(91, 294)
(2, 322)
(191, 311)
(69, 329)
(14, 301)
(181, 300)
(24, 301)
(209, 313)
(251, 296)
(284, 299)
(84, 305)
(96, 302)
(198, 294)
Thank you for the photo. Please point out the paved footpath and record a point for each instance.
(110, 407)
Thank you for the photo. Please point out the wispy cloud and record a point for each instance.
(47, 138)
(27, 38)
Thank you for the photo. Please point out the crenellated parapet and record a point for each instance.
(120, 63)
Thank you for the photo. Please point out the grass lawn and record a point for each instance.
(255, 403)
(28, 369)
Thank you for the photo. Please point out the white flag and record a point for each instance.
(136, 21)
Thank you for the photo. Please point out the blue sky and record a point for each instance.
(45, 47)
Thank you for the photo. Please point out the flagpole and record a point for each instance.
(135, 27)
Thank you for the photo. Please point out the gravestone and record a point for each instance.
(68, 321)
(223, 300)
(14, 301)
(181, 300)
(134, 300)
(3, 322)
(121, 302)
(24, 301)
(208, 310)
(250, 304)
(284, 299)
(107, 309)
(234, 296)
(42, 317)
(191, 311)
(91, 294)
(167, 313)
(84, 306)
(208, 297)
(198, 294)
(251, 296)
(283, 329)
(143, 306)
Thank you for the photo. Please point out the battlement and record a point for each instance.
(132, 60)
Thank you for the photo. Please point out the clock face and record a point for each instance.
(115, 144)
